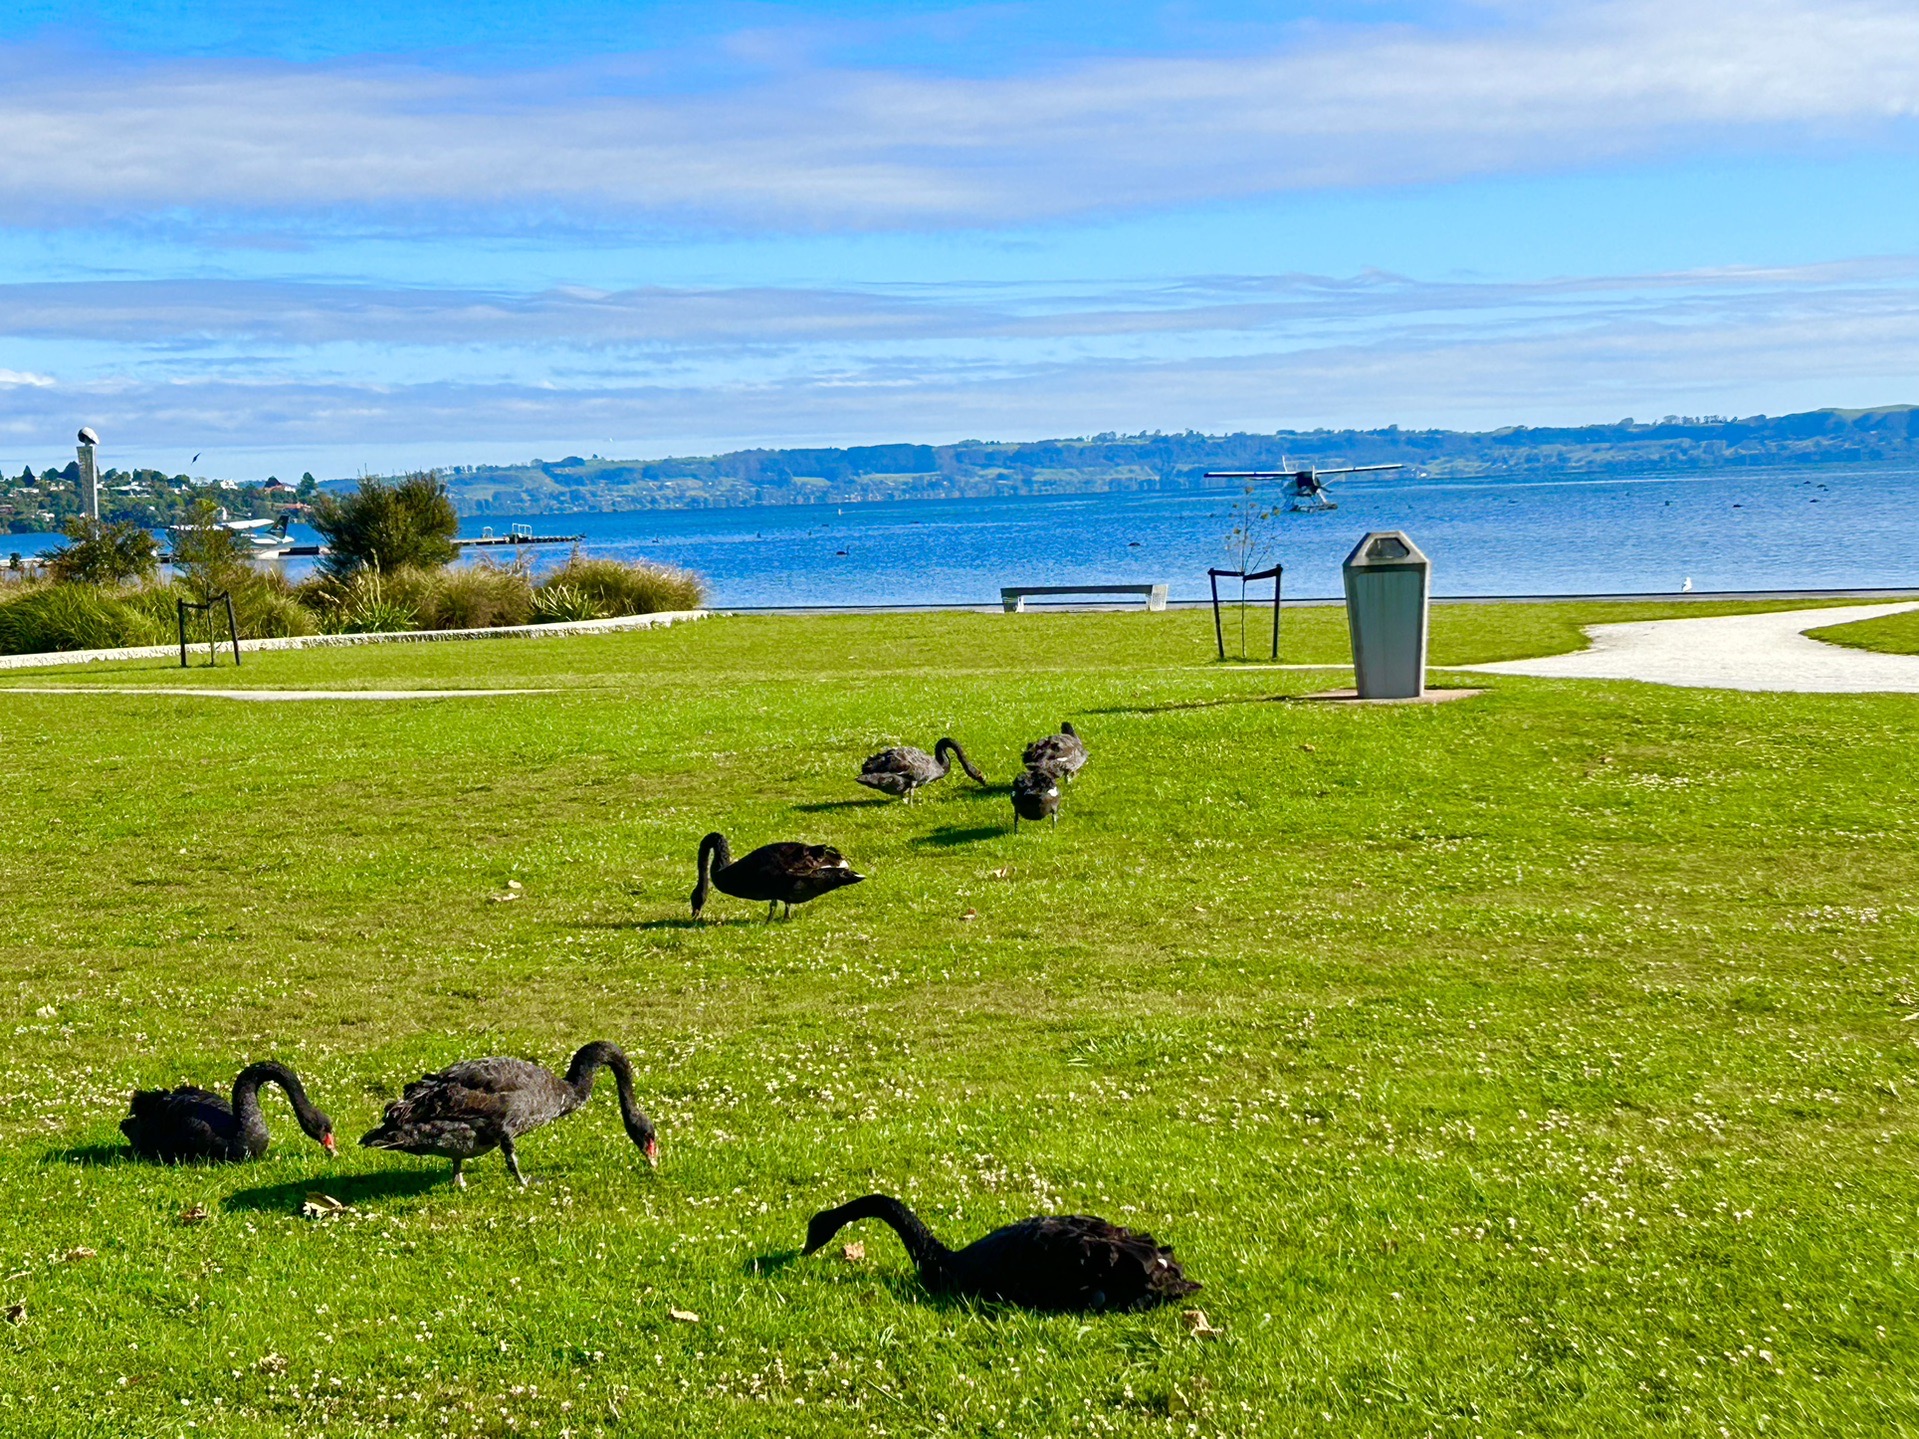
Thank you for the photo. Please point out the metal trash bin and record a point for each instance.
(1387, 582)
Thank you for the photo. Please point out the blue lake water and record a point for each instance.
(1851, 526)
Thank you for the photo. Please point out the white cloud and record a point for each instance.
(1546, 89)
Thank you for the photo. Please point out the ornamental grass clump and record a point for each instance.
(74, 617)
(629, 589)
(473, 597)
(480, 596)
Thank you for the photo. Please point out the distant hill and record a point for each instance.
(1106, 462)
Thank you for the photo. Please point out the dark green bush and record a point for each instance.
(102, 554)
(386, 526)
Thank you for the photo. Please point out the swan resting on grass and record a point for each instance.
(1069, 1261)
(177, 1125)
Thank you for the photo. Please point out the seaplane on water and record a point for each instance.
(266, 539)
(1306, 492)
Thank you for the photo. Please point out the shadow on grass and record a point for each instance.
(90, 1154)
(762, 1265)
(1175, 706)
(827, 806)
(953, 836)
(349, 1189)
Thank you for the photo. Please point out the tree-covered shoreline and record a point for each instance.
(1109, 462)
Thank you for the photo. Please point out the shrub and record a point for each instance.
(103, 554)
(475, 597)
(555, 604)
(74, 617)
(387, 526)
(209, 558)
(636, 589)
(267, 612)
(367, 602)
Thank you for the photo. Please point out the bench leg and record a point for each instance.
(1157, 599)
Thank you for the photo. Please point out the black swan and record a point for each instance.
(1035, 796)
(467, 1109)
(175, 1125)
(789, 873)
(902, 770)
(1064, 1262)
(1062, 753)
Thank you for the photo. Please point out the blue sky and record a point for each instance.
(387, 236)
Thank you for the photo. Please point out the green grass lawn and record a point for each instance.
(1538, 1063)
(1892, 634)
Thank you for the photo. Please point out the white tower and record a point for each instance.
(89, 473)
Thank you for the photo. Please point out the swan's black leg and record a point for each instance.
(771, 905)
(512, 1159)
(789, 912)
(459, 1179)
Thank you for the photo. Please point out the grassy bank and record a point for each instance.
(1534, 1063)
(1890, 634)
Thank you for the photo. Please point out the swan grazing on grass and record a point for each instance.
(467, 1109)
(174, 1125)
(1035, 796)
(1067, 1262)
(1063, 753)
(903, 769)
(789, 873)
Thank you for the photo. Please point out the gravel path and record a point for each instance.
(1732, 652)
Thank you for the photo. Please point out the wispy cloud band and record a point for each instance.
(677, 372)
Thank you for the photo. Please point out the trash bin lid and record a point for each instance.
(1387, 550)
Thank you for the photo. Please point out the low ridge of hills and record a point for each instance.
(1155, 461)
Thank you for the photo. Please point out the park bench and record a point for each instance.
(1014, 597)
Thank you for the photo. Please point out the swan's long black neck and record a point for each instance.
(587, 1064)
(250, 1126)
(714, 854)
(929, 1256)
(952, 746)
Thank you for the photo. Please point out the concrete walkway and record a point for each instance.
(1732, 652)
(262, 696)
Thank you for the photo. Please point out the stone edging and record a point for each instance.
(319, 642)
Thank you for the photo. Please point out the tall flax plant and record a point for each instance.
(1250, 543)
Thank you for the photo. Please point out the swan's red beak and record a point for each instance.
(653, 1152)
(326, 1142)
